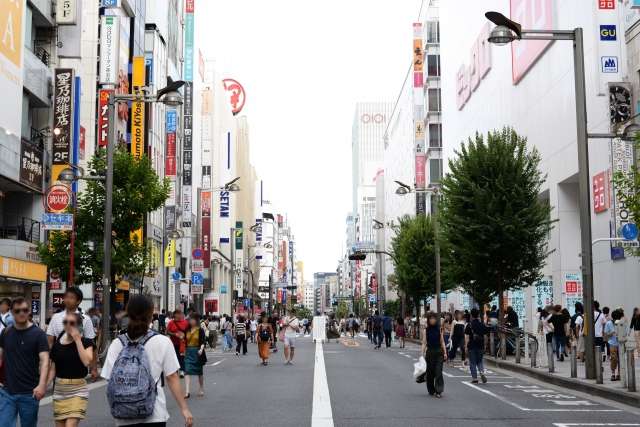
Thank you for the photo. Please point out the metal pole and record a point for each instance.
(534, 354)
(598, 365)
(72, 249)
(631, 371)
(550, 360)
(584, 200)
(436, 248)
(517, 348)
(108, 206)
(574, 362)
(492, 341)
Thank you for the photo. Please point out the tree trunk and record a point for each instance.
(503, 338)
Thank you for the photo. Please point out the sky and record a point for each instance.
(304, 65)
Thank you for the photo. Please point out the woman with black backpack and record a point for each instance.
(130, 356)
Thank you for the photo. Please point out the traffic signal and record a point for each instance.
(357, 256)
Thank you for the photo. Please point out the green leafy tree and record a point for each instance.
(493, 219)
(342, 310)
(414, 258)
(627, 190)
(137, 190)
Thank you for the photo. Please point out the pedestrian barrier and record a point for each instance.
(631, 371)
(599, 369)
(574, 362)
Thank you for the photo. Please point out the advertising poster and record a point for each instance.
(11, 60)
(572, 290)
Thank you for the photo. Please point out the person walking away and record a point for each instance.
(305, 326)
(447, 326)
(70, 356)
(291, 326)
(401, 331)
(387, 329)
(24, 354)
(369, 326)
(435, 355)
(599, 320)
(474, 333)
(162, 321)
(611, 337)
(253, 326)
(213, 326)
(577, 330)
(458, 327)
(558, 321)
(195, 357)
(227, 331)
(274, 327)
(142, 357)
(377, 330)
(241, 335)
(265, 336)
(634, 328)
(6, 319)
(72, 299)
(177, 330)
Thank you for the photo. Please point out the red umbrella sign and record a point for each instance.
(58, 198)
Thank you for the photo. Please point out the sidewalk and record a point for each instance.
(561, 376)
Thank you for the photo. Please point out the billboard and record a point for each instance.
(536, 15)
(205, 215)
(109, 44)
(62, 119)
(137, 108)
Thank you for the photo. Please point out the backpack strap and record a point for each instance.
(150, 334)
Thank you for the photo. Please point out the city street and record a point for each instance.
(368, 387)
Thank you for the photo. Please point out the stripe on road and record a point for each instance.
(321, 415)
(215, 363)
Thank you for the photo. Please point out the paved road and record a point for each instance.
(359, 386)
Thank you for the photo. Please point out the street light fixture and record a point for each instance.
(506, 32)
(377, 225)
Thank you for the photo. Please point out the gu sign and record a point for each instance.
(534, 15)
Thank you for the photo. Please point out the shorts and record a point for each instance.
(290, 341)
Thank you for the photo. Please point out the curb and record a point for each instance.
(628, 398)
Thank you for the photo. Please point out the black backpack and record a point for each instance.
(377, 323)
(265, 335)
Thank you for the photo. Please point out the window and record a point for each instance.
(434, 100)
(433, 32)
(433, 65)
(435, 170)
(435, 135)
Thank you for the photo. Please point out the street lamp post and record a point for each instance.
(505, 32)
(403, 190)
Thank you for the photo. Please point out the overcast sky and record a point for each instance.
(304, 64)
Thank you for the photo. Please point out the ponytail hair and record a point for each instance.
(140, 312)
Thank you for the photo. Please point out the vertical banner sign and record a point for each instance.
(170, 167)
(109, 49)
(187, 144)
(536, 14)
(622, 162)
(418, 116)
(103, 116)
(601, 192)
(137, 121)
(137, 108)
(206, 136)
(62, 119)
(205, 215)
(239, 244)
(170, 254)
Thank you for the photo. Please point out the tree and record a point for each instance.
(414, 257)
(342, 310)
(627, 191)
(137, 190)
(493, 219)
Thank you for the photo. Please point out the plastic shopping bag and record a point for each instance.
(420, 370)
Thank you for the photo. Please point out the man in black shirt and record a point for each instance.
(24, 353)
(474, 343)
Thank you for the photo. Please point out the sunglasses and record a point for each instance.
(68, 323)
(21, 310)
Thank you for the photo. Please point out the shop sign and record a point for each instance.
(607, 4)
(197, 289)
(25, 270)
(536, 14)
(31, 166)
(109, 49)
(236, 94)
(62, 115)
(469, 76)
(608, 33)
(35, 303)
(57, 221)
(601, 192)
(66, 12)
(57, 300)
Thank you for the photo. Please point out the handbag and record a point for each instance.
(202, 358)
(420, 370)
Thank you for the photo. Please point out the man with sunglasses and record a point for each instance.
(72, 299)
(24, 352)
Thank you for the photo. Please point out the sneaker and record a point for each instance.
(562, 357)
(474, 381)
(438, 395)
(484, 378)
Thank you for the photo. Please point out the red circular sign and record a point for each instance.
(236, 94)
(58, 198)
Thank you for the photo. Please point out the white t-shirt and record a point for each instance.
(579, 322)
(599, 325)
(56, 327)
(254, 325)
(292, 327)
(162, 358)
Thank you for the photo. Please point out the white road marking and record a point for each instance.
(215, 363)
(321, 415)
(593, 424)
(522, 408)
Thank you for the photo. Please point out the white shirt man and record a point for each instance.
(291, 326)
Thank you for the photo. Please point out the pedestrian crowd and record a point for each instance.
(151, 352)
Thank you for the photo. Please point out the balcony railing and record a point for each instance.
(21, 228)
